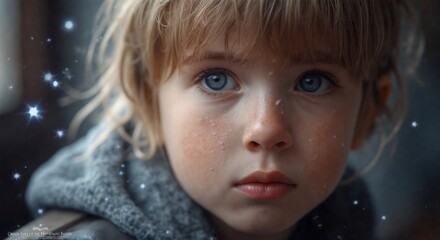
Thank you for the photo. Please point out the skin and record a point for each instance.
(261, 122)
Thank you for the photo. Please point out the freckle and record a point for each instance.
(211, 169)
(226, 133)
(212, 122)
(222, 145)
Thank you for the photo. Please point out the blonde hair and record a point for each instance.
(144, 41)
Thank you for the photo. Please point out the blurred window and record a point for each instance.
(10, 83)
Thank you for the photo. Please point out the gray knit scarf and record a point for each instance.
(142, 198)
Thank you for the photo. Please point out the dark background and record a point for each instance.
(405, 186)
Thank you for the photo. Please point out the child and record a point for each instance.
(246, 111)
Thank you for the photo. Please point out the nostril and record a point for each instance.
(253, 145)
(281, 145)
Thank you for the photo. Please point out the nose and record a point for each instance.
(267, 130)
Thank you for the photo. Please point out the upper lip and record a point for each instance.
(266, 177)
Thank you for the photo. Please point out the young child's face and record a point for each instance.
(256, 143)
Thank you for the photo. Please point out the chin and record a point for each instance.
(267, 222)
(264, 226)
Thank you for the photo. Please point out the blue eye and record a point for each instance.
(218, 81)
(313, 83)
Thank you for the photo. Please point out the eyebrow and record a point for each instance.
(315, 57)
(213, 56)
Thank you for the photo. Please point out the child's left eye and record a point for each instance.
(314, 82)
(217, 81)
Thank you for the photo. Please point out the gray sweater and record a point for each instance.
(142, 199)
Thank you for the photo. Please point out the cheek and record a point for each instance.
(195, 143)
(327, 148)
(198, 139)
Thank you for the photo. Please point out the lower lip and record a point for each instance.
(263, 191)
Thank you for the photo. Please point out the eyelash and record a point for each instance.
(333, 81)
(199, 78)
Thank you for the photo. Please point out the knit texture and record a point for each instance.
(144, 200)
(141, 198)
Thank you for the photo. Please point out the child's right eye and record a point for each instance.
(217, 81)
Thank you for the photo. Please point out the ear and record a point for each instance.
(373, 105)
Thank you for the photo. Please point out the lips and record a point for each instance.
(265, 185)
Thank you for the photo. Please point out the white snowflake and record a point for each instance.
(69, 25)
(48, 77)
(16, 176)
(414, 124)
(34, 112)
(59, 133)
(55, 84)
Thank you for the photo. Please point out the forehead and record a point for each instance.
(236, 49)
